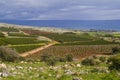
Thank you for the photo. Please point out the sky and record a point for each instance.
(60, 9)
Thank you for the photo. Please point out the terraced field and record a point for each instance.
(72, 39)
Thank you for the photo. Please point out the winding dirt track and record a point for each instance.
(25, 54)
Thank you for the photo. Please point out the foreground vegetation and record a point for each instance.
(91, 68)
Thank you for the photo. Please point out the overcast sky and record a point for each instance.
(60, 9)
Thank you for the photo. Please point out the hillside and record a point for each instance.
(40, 53)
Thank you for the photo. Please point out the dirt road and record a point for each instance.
(36, 50)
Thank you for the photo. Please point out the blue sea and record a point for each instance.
(70, 24)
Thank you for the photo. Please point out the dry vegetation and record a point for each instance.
(76, 50)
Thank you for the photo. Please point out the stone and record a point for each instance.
(75, 79)
(78, 65)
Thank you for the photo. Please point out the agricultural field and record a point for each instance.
(78, 51)
(17, 34)
(97, 34)
(116, 34)
(73, 38)
(15, 41)
(25, 48)
(9, 29)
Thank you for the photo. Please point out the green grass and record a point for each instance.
(41, 71)
(116, 35)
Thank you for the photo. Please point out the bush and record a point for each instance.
(90, 61)
(114, 63)
(49, 59)
(62, 59)
(8, 54)
(115, 50)
(102, 59)
(69, 58)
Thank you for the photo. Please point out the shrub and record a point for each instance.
(69, 58)
(44, 57)
(90, 61)
(115, 50)
(62, 59)
(102, 59)
(114, 63)
(8, 54)
(49, 59)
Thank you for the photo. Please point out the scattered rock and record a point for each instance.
(78, 65)
(77, 79)
(3, 70)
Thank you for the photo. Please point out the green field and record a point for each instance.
(116, 34)
(8, 29)
(77, 39)
(17, 34)
(25, 48)
(14, 41)
(67, 37)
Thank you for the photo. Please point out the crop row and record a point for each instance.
(93, 42)
(21, 49)
(14, 41)
(76, 50)
(19, 35)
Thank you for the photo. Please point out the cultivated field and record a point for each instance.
(78, 51)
